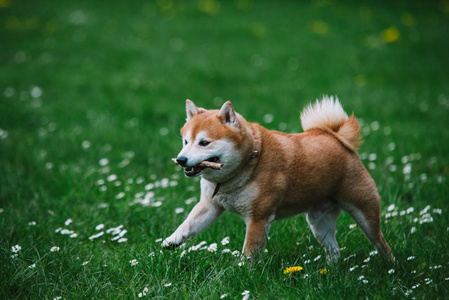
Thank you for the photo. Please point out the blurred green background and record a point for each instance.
(81, 81)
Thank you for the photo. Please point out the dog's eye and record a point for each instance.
(204, 143)
(185, 142)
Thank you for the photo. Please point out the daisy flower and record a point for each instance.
(54, 249)
(32, 266)
(133, 262)
(212, 247)
(167, 284)
(353, 268)
(85, 263)
(242, 263)
(95, 236)
(16, 248)
(391, 271)
(223, 296)
(225, 241)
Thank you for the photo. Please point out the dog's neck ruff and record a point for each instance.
(254, 154)
(217, 187)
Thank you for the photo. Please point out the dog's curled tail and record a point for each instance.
(328, 115)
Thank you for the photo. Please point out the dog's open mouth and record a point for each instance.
(197, 169)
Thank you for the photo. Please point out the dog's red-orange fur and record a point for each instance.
(316, 172)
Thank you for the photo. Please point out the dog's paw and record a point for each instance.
(169, 245)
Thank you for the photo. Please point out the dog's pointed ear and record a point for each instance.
(227, 115)
(192, 110)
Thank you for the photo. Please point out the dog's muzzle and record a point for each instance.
(192, 171)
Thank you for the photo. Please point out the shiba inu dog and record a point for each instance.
(269, 175)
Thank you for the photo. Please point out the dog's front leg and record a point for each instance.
(256, 235)
(199, 219)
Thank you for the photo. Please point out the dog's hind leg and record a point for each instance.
(322, 219)
(362, 202)
(368, 220)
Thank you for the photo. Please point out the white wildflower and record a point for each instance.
(95, 236)
(212, 247)
(391, 207)
(225, 241)
(353, 268)
(16, 248)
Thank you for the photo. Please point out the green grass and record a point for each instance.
(88, 80)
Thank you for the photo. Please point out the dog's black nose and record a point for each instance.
(181, 160)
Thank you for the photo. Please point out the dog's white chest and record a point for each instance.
(237, 200)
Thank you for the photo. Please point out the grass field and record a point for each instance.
(91, 102)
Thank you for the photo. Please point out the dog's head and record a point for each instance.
(212, 135)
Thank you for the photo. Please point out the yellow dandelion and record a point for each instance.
(320, 27)
(291, 270)
(324, 271)
(390, 35)
(209, 6)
